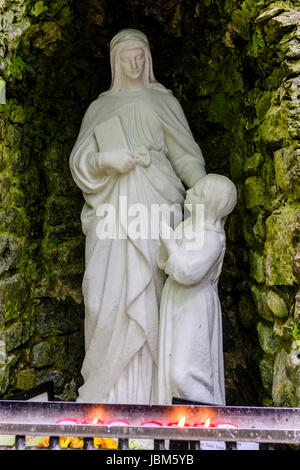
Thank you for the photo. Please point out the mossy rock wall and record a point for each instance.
(234, 65)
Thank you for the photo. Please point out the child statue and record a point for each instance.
(190, 338)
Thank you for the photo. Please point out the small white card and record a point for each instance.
(212, 445)
(247, 446)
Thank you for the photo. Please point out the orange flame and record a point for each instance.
(207, 423)
(95, 420)
(181, 422)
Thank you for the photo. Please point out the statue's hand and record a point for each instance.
(119, 161)
(167, 238)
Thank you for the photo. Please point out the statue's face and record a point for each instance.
(193, 197)
(132, 62)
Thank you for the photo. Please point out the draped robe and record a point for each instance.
(122, 283)
(191, 365)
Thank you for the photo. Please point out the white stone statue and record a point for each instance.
(134, 143)
(190, 338)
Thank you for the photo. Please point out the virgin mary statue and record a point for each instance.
(134, 145)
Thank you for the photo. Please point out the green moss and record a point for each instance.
(266, 372)
(51, 35)
(252, 164)
(263, 105)
(5, 373)
(61, 210)
(286, 161)
(279, 247)
(58, 378)
(3, 352)
(233, 228)
(2, 91)
(252, 9)
(25, 379)
(259, 295)
(176, 22)
(54, 317)
(17, 334)
(236, 164)
(219, 109)
(38, 8)
(285, 395)
(277, 305)
(258, 46)
(274, 9)
(18, 114)
(17, 68)
(43, 355)
(240, 20)
(248, 222)
(255, 192)
(296, 332)
(268, 173)
(13, 295)
(259, 229)
(283, 391)
(274, 129)
(10, 252)
(267, 339)
(257, 266)
(14, 221)
(13, 136)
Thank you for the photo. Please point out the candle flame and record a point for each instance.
(207, 423)
(181, 422)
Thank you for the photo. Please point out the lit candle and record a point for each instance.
(67, 421)
(226, 426)
(180, 424)
(92, 421)
(144, 444)
(152, 424)
(207, 424)
(118, 422)
(211, 445)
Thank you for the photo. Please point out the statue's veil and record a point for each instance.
(129, 38)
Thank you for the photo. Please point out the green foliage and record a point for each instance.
(296, 332)
(38, 8)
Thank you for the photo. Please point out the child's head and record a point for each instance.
(216, 192)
